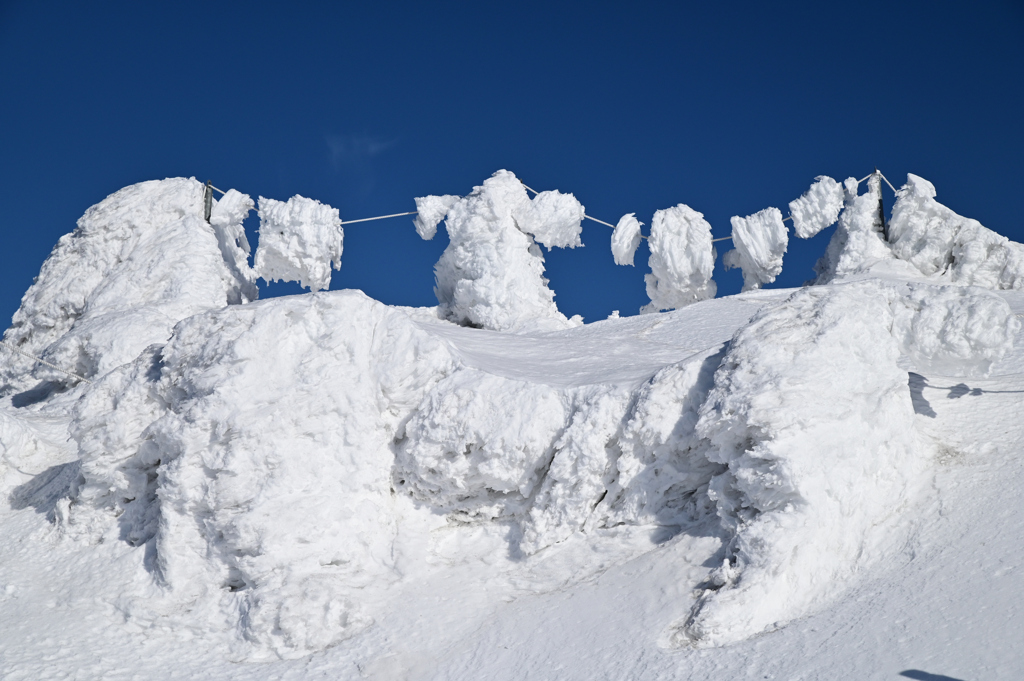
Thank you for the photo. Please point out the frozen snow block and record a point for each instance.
(299, 241)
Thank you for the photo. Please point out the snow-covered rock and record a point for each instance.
(300, 239)
(138, 262)
(817, 208)
(625, 239)
(682, 259)
(760, 241)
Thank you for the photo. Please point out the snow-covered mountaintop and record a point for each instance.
(782, 483)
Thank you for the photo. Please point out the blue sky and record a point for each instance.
(728, 107)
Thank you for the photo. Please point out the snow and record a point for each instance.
(491, 275)
(430, 210)
(817, 208)
(760, 240)
(938, 241)
(682, 259)
(326, 486)
(299, 241)
(137, 263)
(626, 239)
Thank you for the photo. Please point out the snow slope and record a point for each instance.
(779, 484)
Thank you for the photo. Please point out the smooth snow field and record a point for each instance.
(812, 483)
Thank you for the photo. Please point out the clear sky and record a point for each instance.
(728, 107)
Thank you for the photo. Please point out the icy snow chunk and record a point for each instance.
(760, 240)
(857, 244)
(682, 259)
(953, 330)
(299, 241)
(813, 420)
(817, 208)
(491, 275)
(938, 241)
(479, 445)
(137, 263)
(626, 239)
(553, 218)
(430, 210)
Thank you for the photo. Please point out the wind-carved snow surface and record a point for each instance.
(626, 239)
(430, 210)
(938, 241)
(138, 262)
(760, 240)
(491, 275)
(682, 259)
(818, 207)
(300, 239)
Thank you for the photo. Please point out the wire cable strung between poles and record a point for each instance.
(43, 361)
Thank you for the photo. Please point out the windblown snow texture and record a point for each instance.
(938, 241)
(138, 262)
(299, 241)
(817, 208)
(430, 210)
(760, 241)
(491, 275)
(682, 259)
(626, 239)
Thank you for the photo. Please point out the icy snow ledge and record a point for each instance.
(682, 259)
(491, 275)
(760, 241)
(299, 241)
(814, 422)
(138, 262)
(938, 241)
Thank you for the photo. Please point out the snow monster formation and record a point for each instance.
(281, 472)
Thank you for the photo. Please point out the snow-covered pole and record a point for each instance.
(881, 206)
(207, 200)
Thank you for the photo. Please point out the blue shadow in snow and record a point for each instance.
(925, 676)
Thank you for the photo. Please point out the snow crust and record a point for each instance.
(300, 239)
(760, 240)
(938, 241)
(430, 210)
(491, 275)
(625, 239)
(137, 263)
(818, 207)
(682, 259)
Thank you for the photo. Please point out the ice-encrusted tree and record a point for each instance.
(491, 275)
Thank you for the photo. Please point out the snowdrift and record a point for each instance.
(287, 469)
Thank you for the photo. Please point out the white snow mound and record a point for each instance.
(817, 208)
(937, 241)
(682, 259)
(138, 262)
(300, 239)
(760, 241)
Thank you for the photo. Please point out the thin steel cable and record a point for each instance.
(43, 361)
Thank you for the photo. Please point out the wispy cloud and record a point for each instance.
(356, 150)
